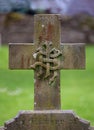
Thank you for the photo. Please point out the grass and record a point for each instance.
(16, 89)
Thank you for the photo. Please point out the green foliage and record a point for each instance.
(17, 89)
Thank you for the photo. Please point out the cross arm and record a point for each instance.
(21, 55)
(73, 56)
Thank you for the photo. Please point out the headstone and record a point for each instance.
(47, 57)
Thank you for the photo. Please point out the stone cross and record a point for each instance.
(47, 56)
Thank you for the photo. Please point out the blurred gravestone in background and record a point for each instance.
(77, 19)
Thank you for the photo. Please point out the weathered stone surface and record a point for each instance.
(44, 120)
(47, 44)
(20, 56)
(47, 57)
(73, 57)
(47, 36)
(47, 96)
(47, 28)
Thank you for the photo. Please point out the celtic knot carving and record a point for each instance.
(47, 61)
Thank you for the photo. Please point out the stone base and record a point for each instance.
(47, 120)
